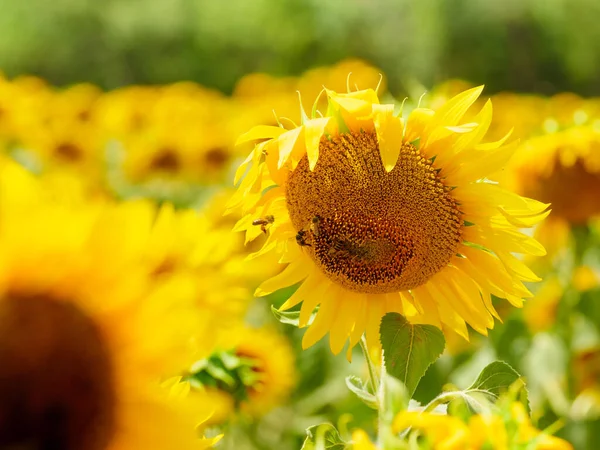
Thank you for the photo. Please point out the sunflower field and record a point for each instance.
(299, 225)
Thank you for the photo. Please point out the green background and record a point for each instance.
(523, 45)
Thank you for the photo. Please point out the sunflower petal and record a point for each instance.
(287, 144)
(313, 132)
(417, 122)
(260, 132)
(321, 324)
(390, 130)
(289, 276)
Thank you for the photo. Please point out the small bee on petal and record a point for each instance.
(263, 222)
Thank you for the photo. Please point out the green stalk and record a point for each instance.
(373, 379)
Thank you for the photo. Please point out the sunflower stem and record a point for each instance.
(382, 414)
(373, 380)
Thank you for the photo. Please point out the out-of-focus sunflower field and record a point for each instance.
(299, 225)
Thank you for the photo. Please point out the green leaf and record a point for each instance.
(408, 349)
(497, 378)
(290, 317)
(323, 437)
(356, 385)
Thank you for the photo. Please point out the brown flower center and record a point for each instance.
(572, 191)
(367, 229)
(56, 387)
(166, 160)
(68, 152)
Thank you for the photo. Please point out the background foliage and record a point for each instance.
(523, 45)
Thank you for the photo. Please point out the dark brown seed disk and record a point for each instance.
(370, 230)
(56, 385)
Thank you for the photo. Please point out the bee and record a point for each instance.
(315, 226)
(344, 247)
(263, 222)
(301, 239)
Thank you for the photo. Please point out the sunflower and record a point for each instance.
(562, 167)
(508, 427)
(184, 249)
(274, 367)
(172, 134)
(90, 348)
(255, 368)
(376, 214)
(504, 426)
(259, 94)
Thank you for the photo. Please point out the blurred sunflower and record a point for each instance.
(84, 341)
(563, 168)
(259, 94)
(256, 369)
(374, 214)
(506, 428)
(170, 134)
(559, 161)
(184, 249)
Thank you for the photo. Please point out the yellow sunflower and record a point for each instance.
(90, 347)
(562, 167)
(507, 428)
(274, 367)
(169, 134)
(376, 214)
(184, 249)
(259, 369)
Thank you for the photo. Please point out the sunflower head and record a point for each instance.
(375, 213)
(86, 332)
(255, 371)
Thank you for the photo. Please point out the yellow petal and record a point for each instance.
(313, 132)
(320, 293)
(287, 143)
(416, 123)
(491, 267)
(524, 221)
(357, 102)
(361, 303)
(484, 120)
(260, 132)
(506, 239)
(453, 110)
(289, 276)
(342, 323)
(427, 304)
(517, 267)
(495, 144)
(390, 130)
(241, 170)
(304, 290)
(446, 313)
(375, 312)
(441, 288)
(321, 324)
(482, 163)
